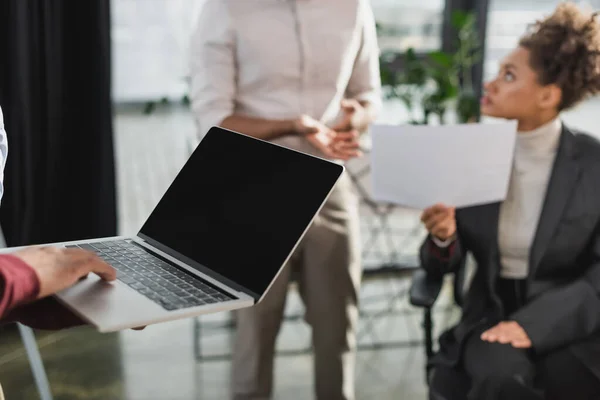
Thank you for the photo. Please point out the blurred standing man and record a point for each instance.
(303, 74)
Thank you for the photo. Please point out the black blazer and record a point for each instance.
(563, 303)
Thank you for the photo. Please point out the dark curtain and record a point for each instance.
(55, 93)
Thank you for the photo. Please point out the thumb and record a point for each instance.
(309, 130)
(102, 269)
(348, 105)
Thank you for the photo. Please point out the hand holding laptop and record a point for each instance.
(60, 268)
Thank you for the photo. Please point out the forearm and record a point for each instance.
(46, 314)
(264, 129)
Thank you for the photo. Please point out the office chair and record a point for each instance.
(424, 292)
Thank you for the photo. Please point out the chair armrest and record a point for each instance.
(424, 289)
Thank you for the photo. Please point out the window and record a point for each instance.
(507, 21)
(150, 47)
(403, 24)
(155, 34)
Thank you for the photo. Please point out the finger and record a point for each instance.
(441, 232)
(427, 213)
(491, 334)
(102, 269)
(331, 153)
(310, 130)
(432, 211)
(349, 105)
(346, 136)
(346, 145)
(521, 344)
(492, 338)
(506, 333)
(341, 127)
(347, 155)
(75, 255)
(520, 337)
(345, 125)
(487, 334)
(488, 338)
(79, 259)
(441, 207)
(437, 219)
(505, 338)
(434, 220)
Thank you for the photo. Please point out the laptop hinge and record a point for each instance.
(197, 266)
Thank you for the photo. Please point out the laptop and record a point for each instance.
(217, 239)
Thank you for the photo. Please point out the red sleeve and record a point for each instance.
(19, 283)
(442, 253)
(46, 314)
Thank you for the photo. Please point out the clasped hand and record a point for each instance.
(340, 141)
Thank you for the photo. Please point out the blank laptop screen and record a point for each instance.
(239, 205)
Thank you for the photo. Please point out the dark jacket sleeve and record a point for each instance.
(566, 314)
(19, 284)
(440, 261)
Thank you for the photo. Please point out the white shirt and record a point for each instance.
(3, 152)
(535, 152)
(279, 59)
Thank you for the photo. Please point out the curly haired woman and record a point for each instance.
(531, 320)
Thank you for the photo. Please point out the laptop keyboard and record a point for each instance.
(169, 286)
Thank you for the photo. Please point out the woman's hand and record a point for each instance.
(336, 145)
(508, 332)
(440, 221)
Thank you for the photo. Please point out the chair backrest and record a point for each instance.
(459, 282)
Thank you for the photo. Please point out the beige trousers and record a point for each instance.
(1, 393)
(327, 264)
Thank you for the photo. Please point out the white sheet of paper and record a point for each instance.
(461, 165)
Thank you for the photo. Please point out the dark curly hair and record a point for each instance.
(565, 50)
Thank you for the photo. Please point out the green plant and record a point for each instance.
(437, 80)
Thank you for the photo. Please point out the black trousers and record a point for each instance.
(493, 371)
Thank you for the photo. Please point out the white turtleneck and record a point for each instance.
(534, 156)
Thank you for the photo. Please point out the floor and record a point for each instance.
(159, 363)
